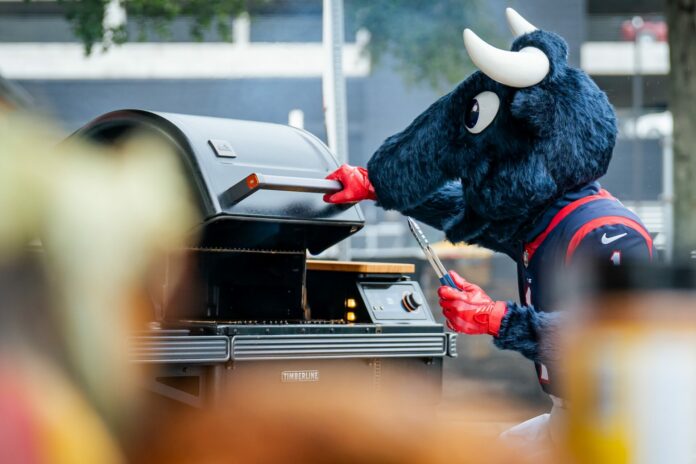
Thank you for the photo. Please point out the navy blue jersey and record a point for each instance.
(588, 224)
(597, 228)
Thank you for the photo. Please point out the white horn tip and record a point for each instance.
(518, 25)
(469, 37)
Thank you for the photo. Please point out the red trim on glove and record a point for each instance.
(496, 317)
(469, 309)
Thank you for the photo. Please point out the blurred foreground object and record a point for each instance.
(349, 424)
(44, 418)
(104, 217)
(631, 373)
(112, 216)
(13, 97)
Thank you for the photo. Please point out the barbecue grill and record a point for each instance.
(254, 303)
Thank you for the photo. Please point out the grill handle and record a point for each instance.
(255, 181)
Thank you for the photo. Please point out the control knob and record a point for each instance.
(412, 301)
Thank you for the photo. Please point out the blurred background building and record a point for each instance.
(272, 71)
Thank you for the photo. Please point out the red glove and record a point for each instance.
(356, 185)
(469, 309)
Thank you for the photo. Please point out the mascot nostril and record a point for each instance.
(509, 160)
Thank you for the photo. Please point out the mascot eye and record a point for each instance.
(481, 111)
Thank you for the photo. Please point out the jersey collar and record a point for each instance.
(547, 216)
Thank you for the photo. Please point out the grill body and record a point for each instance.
(252, 306)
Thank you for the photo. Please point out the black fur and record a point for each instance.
(531, 333)
(545, 140)
(490, 188)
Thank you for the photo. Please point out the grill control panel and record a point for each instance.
(400, 302)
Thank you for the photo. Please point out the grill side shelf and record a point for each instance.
(201, 349)
(276, 347)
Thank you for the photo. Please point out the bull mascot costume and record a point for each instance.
(509, 160)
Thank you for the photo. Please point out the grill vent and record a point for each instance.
(270, 347)
(183, 349)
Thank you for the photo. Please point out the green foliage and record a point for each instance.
(206, 14)
(424, 37)
(86, 18)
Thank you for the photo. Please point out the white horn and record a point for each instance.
(518, 25)
(524, 68)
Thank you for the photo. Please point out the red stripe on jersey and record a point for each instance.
(606, 221)
(532, 247)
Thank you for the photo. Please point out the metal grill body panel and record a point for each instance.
(179, 349)
(274, 347)
(217, 153)
(249, 306)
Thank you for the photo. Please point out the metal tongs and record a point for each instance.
(442, 274)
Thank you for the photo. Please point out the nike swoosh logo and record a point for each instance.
(607, 240)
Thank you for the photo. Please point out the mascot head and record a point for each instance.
(518, 133)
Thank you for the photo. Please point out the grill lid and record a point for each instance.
(258, 185)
